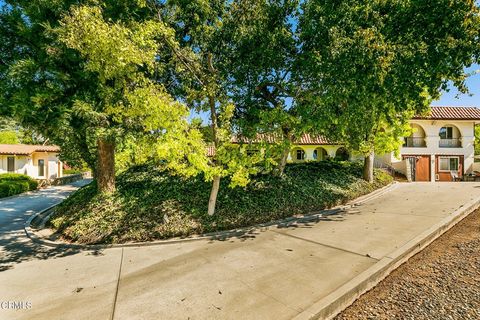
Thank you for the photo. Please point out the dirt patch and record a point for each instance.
(441, 282)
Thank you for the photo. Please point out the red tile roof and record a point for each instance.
(305, 139)
(26, 149)
(452, 113)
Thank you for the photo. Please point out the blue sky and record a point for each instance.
(453, 98)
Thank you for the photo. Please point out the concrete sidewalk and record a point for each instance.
(280, 273)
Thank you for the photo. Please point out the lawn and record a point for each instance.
(152, 204)
(14, 183)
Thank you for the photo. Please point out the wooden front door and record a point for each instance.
(422, 170)
(420, 167)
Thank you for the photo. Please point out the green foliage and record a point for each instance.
(14, 183)
(80, 73)
(371, 65)
(152, 204)
(72, 171)
(9, 137)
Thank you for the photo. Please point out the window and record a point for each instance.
(41, 167)
(315, 154)
(448, 163)
(300, 154)
(11, 164)
(446, 133)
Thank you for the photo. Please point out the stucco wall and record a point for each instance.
(463, 130)
(21, 164)
(29, 165)
(309, 149)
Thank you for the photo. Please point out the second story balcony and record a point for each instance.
(450, 137)
(414, 142)
(450, 143)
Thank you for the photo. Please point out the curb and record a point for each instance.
(338, 300)
(221, 235)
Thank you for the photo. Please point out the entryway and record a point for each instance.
(419, 167)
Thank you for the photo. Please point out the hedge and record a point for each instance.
(14, 183)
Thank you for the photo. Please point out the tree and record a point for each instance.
(198, 58)
(372, 64)
(120, 55)
(8, 137)
(84, 79)
(261, 56)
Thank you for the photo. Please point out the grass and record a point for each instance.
(14, 183)
(152, 204)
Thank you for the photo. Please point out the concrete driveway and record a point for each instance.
(277, 272)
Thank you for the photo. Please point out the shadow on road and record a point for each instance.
(15, 246)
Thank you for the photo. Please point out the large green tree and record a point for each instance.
(120, 55)
(198, 59)
(81, 75)
(260, 65)
(370, 65)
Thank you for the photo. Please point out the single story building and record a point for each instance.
(37, 161)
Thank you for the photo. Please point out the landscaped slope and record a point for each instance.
(151, 204)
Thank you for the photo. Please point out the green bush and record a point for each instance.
(151, 204)
(14, 183)
(10, 188)
(72, 171)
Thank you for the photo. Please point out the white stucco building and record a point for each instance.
(442, 145)
(36, 161)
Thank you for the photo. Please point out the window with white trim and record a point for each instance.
(448, 163)
(11, 164)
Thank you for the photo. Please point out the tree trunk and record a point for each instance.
(368, 167)
(106, 165)
(283, 162)
(213, 195)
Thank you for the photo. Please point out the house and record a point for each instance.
(441, 147)
(36, 161)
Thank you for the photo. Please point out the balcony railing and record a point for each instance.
(414, 142)
(450, 143)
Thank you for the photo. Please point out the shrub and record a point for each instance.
(72, 171)
(10, 188)
(14, 183)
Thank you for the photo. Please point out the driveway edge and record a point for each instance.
(338, 300)
(221, 235)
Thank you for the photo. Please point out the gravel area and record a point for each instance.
(441, 282)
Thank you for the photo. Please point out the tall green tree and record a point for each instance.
(372, 64)
(120, 55)
(260, 65)
(198, 59)
(81, 75)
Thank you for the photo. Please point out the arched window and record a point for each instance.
(342, 154)
(449, 137)
(298, 154)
